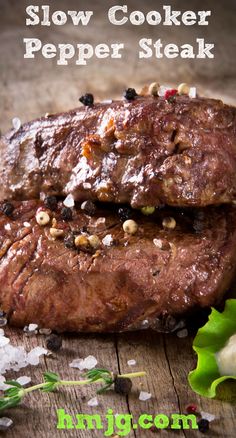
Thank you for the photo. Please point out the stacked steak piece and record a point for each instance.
(105, 259)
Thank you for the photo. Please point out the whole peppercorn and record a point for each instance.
(66, 214)
(87, 99)
(69, 241)
(7, 208)
(125, 213)
(122, 385)
(54, 342)
(51, 202)
(130, 94)
(203, 425)
(88, 207)
(130, 227)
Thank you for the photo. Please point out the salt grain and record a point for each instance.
(93, 402)
(207, 416)
(84, 364)
(32, 327)
(69, 201)
(16, 123)
(4, 341)
(192, 92)
(107, 240)
(23, 380)
(7, 227)
(162, 91)
(5, 423)
(87, 186)
(143, 396)
(158, 243)
(26, 224)
(131, 362)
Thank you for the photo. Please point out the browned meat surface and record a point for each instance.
(144, 152)
(134, 279)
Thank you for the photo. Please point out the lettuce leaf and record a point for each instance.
(209, 340)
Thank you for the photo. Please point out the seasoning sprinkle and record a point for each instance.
(7, 208)
(170, 95)
(66, 214)
(88, 207)
(42, 217)
(56, 232)
(169, 223)
(54, 342)
(69, 241)
(130, 226)
(94, 241)
(130, 94)
(125, 213)
(81, 241)
(153, 89)
(87, 99)
(51, 202)
(122, 385)
(147, 210)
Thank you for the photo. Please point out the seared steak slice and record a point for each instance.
(128, 280)
(145, 152)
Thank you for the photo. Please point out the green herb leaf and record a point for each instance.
(13, 383)
(211, 338)
(51, 377)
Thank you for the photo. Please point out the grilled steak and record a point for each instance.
(145, 152)
(129, 279)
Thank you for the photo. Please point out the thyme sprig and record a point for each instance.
(14, 395)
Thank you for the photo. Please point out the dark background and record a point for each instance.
(29, 88)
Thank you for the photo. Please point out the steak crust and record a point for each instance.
(149, 275)
(145, 152)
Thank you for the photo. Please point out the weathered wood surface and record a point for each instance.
(29, 89)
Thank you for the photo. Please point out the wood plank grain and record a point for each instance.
(37, 415)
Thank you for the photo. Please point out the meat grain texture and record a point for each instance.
(145, 152)
(139, 278)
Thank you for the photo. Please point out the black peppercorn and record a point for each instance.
(122, 385)
(87, 99)
(203, 425)
(88, 207)
(51, 202)
(69, 241)
(7, 208)
(54, 342)
(130, 94)
(125, 213)
(66, 214)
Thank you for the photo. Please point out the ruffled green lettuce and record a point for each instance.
(211, 338)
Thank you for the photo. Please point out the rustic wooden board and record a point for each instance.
(30, 89)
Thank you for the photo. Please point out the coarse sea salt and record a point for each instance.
(16, 123)
(69, 201)
(26, 224)
(23, 380)
(143, 396)
(32, 327)
(107, 240)
(131, 362)
(93, 402)
(5, 423)
(14, 358)
(84, 364)
(7, 227)
(207, 416)
(192, 92)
